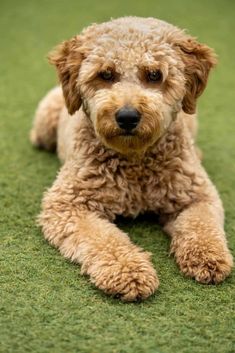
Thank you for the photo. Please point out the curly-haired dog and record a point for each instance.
(124, 128)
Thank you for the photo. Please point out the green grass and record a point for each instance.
(46, 305)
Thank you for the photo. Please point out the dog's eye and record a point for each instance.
(106, 75)
(154, 76)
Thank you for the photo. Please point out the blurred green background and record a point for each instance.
(46, 306)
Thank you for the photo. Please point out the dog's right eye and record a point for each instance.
(106, 75)
(154, 76)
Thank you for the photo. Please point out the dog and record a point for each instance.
(124, 125)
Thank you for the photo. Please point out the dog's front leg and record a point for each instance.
(105, 253)
(199, 243)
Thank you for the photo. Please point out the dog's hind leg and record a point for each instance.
(44, 131)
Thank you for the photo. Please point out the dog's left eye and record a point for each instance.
(154, 76)
(106, 75)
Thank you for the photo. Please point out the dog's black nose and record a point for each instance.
(127, 118)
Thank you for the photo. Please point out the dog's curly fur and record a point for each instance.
(108, 173)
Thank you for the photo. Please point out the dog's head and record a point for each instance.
(132, 76)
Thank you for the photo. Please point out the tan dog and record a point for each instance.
(126, 137)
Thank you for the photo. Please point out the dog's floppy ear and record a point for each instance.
(67, 58)
(198, 59)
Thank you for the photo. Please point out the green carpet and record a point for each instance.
(46, 305)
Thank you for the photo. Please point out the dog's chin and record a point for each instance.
(129, 143)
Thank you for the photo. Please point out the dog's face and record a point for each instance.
(132, 77)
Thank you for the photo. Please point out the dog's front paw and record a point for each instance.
(128, 276)
(205, 265)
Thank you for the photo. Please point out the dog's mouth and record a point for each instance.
(128, 142)
(118, 133)
(124, 140)
(127, 133)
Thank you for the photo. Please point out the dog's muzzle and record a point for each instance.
(127, 118)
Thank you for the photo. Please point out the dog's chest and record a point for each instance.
(152, 186)
(120, 187)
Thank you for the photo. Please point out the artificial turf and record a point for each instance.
(46, 305)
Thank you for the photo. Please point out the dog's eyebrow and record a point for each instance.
(109, 65)
(150, 66)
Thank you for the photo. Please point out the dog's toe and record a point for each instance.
(129, 281)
